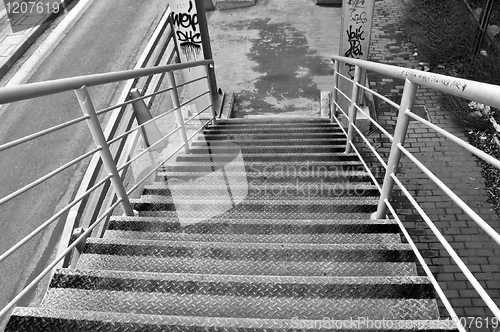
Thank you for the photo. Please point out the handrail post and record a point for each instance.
(100, 140)
(352, 110)
(210, 94)
(333, 105)
(410, 89)
(178, 113)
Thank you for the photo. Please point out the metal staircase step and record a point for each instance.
(223, 226)
(303, 287)
(302, 168)
(274, 119)
(42, 319)
(208, 214)
(243, 266)
(236, 123)
(256, 149)
(255, 189)
(269, 177)
(271, 129)
(335, 238)
(270, 142)
(379, 252)
(308, 204)
(155, 303)
(237, 136)
(287, 157)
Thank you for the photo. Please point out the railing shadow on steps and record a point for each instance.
(475, 91)
(111, 157)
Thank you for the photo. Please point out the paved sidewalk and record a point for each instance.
(20, 30)
(456, 167)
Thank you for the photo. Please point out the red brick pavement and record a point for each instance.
(456, 167)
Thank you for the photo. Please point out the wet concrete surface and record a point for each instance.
(275, 56)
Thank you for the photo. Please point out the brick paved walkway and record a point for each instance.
(453, 165)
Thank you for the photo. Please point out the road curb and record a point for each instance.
(30, 39)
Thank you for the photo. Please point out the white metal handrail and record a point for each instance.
(33, 184)
(480, 92)
(152, 78)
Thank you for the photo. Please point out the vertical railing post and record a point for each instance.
(178, 113)
(333, 105)
(352, 109)
(210, 94)
(410, 89)
(100, 140)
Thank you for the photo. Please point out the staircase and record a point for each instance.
(264, 226)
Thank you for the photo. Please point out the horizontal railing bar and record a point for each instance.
(481, 154)
(428, 272)
(345, 77)
(51, 220)
(366, 167)
(48, 176)
(42, 133)
(194, 98)
(343, 94)
(192, 81)
(11, 94)
(465, 270)
(197, 131)
(148, 149)
(52, 265)
(154, 170)
(128, 102)
(194, 116)
(370, 146)
(485, 93)
(385, 132)
(384, 98)
(480, 221)
(341, 110)
(125, 134)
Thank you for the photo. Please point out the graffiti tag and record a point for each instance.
(187, 35)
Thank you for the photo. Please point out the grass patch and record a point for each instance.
(443, 32)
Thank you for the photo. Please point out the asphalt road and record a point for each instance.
(110, 36)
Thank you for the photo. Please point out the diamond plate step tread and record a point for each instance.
(244, 267)
(246, 286)
(306, 168)
(272, 129)
(236, 306)
(266, 191)
(328, 178)
(254, 226)
(276, 206)
(266, 149)
(268, 136)
(262, 214)
(239, 238)
(275, 120)
(257, 179)
(279, 142)
(294, 157)
(223, 124)
(41, 319)
(381, 252)
(203, 188)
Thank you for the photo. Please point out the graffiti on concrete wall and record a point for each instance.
(356, 29)
(187, 30)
